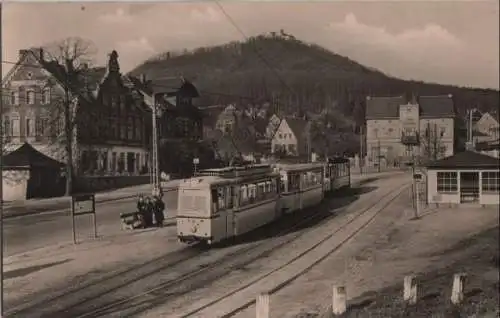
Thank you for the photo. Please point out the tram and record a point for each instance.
(226, 202)
(222, 203)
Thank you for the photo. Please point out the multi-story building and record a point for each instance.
(180, 123)
(106, 116)
(398, 129)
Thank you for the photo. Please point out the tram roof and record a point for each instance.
(206, 181)
(299, 166)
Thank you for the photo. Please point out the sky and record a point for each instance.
(447, 42)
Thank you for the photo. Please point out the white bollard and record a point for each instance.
(410, 290)
(262, 306)
(457, 291)
(339, 300)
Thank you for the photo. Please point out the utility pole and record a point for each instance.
(414, 187)
(1, 183)
(361, 158)
(379, 152)
(156, 112)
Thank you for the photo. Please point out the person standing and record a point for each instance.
(159, 207)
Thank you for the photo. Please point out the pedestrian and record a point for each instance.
(148, 212)
(141, 207)
(159, 207)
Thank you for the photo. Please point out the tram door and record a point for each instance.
(230, 220)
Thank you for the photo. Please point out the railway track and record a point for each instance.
(89, 300)
(131, 304)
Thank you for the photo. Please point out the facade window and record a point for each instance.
(113, 161)
(14, 98)
(15, 128)
(30, 97)
(114, 128)
(447, 181)
(138, 129)
(490, 181)
(46, 96)
(123, 130)
(130, 128)
(6, 127)
(29, 129)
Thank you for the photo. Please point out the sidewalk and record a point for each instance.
(34, 206)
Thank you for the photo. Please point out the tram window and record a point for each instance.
(214, 200)
(252, 192)
(229, 197)
(261, 190)
(222, 197)
(268, 186)
(244, 193)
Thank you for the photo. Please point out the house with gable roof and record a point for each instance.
(109, 126)
(292, 137)
(398, 128)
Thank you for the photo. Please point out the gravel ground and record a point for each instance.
(374, 264)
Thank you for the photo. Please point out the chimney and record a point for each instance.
(22, 53)
(143, 78)
(42, 56)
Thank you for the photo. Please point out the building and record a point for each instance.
(292, 137)
(486, 129)
(398, 129)
(228, 119)
(466, 177)
(180, 123)
(108, 123)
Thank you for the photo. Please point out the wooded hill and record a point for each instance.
(295, 73)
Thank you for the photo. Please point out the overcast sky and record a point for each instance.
(454, 42)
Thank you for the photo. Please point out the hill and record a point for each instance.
(297, 72)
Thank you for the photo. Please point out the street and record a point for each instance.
(26, 233)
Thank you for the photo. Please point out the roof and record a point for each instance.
(297, 125)
(28, 157)
(466, 159)
(485, 146)
(430, 106)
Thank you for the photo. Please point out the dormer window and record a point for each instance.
(30, 97)
(30, 75)
(46, 96)
(14, 98)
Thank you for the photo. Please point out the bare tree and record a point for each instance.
(69, 60)
(432, 143)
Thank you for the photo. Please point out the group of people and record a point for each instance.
(149, 207)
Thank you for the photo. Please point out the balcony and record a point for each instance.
(410, 139)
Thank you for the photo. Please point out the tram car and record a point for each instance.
(226, 202)
(337, 174)
(301, 185)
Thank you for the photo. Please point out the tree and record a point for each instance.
(432, 143)
(69, 61)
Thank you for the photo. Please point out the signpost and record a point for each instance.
(82, 204)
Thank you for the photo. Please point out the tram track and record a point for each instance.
(248, 291)
(188, 281)
(76, 301)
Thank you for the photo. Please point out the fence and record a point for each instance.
(339, 301)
